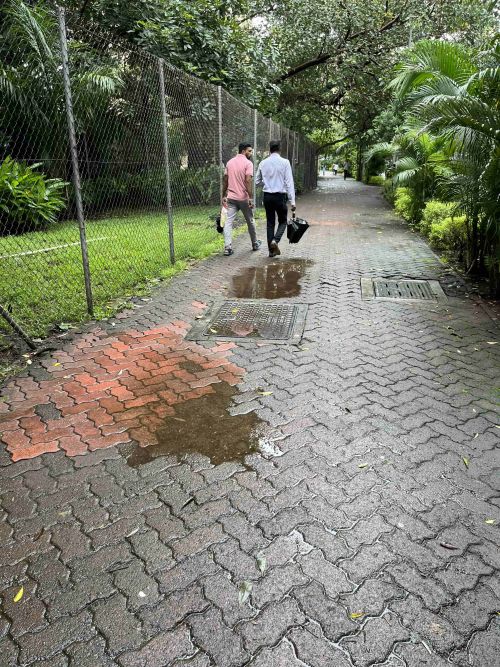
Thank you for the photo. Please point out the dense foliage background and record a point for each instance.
(408, 88)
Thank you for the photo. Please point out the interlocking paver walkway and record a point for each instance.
(374, 511)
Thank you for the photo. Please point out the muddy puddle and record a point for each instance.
(277, 280)
(204, 426)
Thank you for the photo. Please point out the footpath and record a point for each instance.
(333, 501)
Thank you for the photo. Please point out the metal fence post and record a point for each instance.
(219, 128)
(254, 187)
(74, 158)
(164, 122)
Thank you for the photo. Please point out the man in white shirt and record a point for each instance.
(275, 173)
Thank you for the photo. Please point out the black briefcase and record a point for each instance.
(296, 228)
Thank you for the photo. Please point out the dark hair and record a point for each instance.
(242, 147)
(274, 146)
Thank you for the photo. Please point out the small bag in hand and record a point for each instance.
(296, 228)
(220, 220)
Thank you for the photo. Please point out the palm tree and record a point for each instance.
(32, 113)
(458, 100)
(417, 160)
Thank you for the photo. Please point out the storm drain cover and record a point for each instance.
(252, 319)
(421, 290)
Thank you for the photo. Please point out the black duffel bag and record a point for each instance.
(296, 228)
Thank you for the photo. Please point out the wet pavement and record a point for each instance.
(169, 502)
(277, 280)
(205, 426)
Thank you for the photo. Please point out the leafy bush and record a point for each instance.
(203, 185)
(148, 189)
(434, 212)
(403, 203)
(376, 180)
(450, 235)
(28, 200)
(389, 191)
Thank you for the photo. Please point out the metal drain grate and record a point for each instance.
(402, 289)
(409, 290)
(249, 319)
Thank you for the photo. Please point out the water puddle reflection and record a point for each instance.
(277, 280)
(204, 426)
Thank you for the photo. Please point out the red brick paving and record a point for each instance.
(111, 390)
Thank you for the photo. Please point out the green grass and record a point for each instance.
(126, 256)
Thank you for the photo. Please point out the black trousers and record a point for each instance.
(275, 205)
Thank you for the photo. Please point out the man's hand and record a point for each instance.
(294, 208)
(250, 203)
(224, 202)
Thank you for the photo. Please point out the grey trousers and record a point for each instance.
(233, 207)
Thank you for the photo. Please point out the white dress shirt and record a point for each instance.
(275, 172)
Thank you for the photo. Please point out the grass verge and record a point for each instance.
(42, 277)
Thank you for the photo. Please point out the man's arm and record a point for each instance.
(289, 184)
(225, 183)
(258, 179)
(248, 183)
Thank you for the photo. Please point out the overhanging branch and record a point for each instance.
(334, 143)
(325, 57)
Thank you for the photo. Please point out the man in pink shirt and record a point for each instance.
(237, 195)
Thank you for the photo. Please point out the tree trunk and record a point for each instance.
(359, 163)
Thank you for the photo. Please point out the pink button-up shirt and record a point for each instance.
(237, 169)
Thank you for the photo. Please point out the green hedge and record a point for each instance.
(403, 203)
(434, 212)
(376, 180)
(450, 236)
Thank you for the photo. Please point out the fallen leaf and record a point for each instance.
(133, 532)
(244, 591)
(19, 594)
(56, 364)
(38, 535)
(65, 513)
(357, 614)
(198, 317)
(492, 342)
(261, 562)
(234, 311)
(141, 594)
(265, 393)
(490, 522)
(362, 465)
(451, 547)
(476, 435)
(188, 502)
(466, 461)
(214, 331)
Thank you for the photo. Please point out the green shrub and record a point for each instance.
(376, 180)
(433, 213)
(203, 185)
(389, 191)
(403, 203)
(28, 200)
(450, 235)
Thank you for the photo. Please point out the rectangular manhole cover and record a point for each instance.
(251, 319)
(409, 290)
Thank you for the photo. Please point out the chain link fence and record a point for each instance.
(111, 165)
